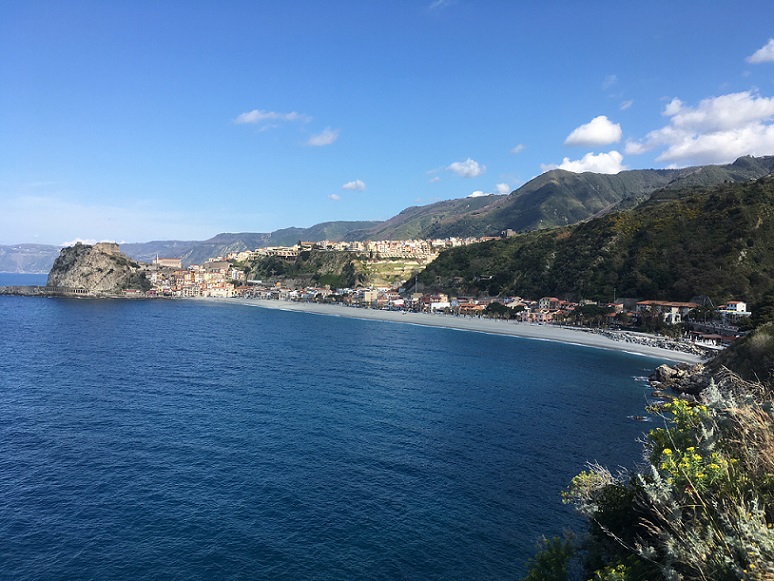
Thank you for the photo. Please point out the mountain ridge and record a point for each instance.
(554, 198)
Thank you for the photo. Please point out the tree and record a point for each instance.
(497, 310)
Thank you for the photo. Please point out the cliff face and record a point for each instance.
(98, 269)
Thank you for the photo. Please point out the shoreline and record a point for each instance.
(492, 326)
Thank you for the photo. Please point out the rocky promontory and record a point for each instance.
(100, 269)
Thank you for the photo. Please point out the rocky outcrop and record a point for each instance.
(691, 382)
(682, 378)
(100, 269)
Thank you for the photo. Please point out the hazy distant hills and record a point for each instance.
(29, 258)
(196, 252)
(555, 198)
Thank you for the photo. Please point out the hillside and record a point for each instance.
(701, 241)
(422, 221)
(560, 198)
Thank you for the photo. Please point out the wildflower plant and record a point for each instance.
(702, 507)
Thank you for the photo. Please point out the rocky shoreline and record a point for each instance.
(689, 381)
(655, 341)
(24, 291)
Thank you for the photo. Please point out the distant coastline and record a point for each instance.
(476, 324)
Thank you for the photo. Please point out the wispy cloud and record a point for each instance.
(334, 197)
(718, 130)
(467, 169)
(259, 116)
(608, 163)
(763, 55)
(438, 4)
(325, 137)
(626, 105)
(354, 186)
(517, 148)
(609, 81)
(598, 131)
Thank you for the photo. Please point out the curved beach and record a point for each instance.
(481, 325)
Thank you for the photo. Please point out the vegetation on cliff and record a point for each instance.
(312, 267)
(701, 507)
(679, 244)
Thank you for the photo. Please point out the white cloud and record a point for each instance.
(325, 137)
(518, 148)
(609, 163)
(598, 131)
(503, 189)
(718, 130)
(89, 241)
(763, 55)
(434, 180)
(478, 194)
(355, 186)
(467, 168)
(626, 105)
(334, 197)
(257, 116)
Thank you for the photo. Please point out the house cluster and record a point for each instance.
(219, 278)
(214, 278)
(424, 250)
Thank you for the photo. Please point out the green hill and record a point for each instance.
(680, 243)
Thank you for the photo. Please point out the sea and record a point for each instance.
(196, 440)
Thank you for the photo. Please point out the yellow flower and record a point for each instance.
(667, 451)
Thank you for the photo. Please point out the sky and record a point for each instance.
(148, 120)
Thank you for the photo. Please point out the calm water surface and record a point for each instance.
(182, 440)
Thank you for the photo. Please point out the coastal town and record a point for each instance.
(701, 322)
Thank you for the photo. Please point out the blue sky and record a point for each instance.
(146, 120)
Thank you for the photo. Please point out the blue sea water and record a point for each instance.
(21, 279)
(192, 440)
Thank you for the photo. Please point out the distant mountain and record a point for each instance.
(196, 252)
(420, 221)
(555, 198)
(560, 198)
(28, 258)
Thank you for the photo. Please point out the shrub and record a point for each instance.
(702, 507)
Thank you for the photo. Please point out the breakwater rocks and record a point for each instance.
(655, 341)
(24, 291)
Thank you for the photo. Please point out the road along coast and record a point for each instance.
(481, 325)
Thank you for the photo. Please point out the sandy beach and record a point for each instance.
(500, 327)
